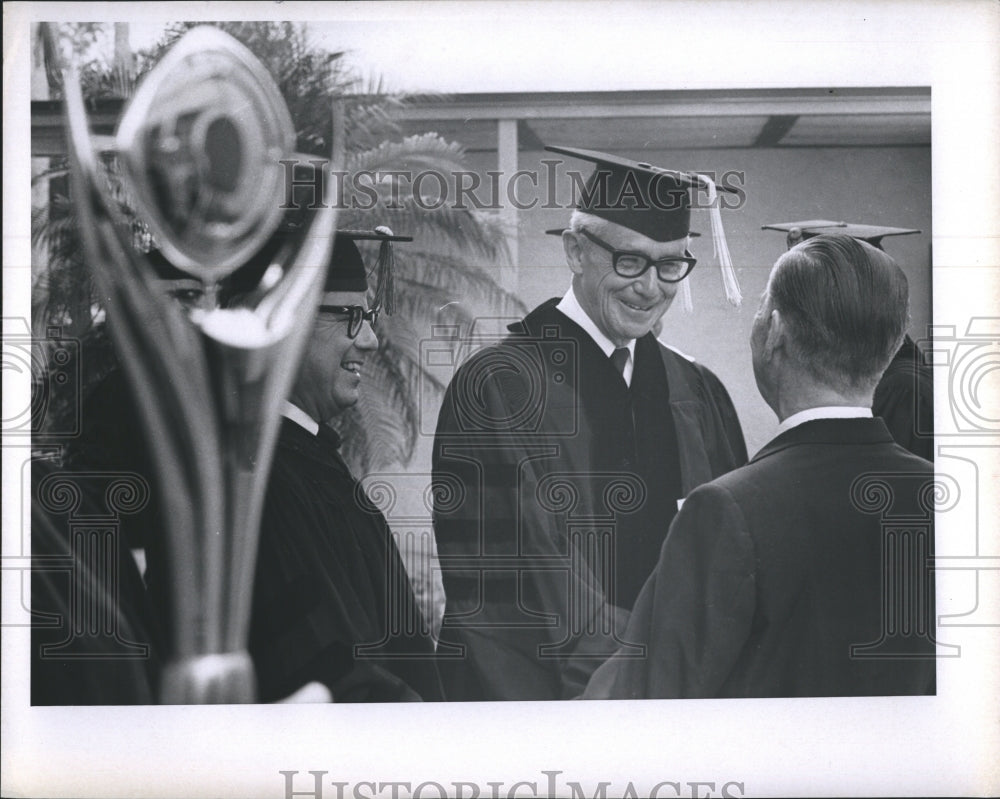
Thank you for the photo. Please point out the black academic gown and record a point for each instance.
(90, 638)
(332, 601)
(784, 578)
(555, 484)
(113, 440)
(904, 400)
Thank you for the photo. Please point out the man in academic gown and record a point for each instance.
(904, 400)
(561, 452)
(782, 577)
(332, 601)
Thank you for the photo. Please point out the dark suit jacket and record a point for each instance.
(804, 573)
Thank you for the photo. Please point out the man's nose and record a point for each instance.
(648, 283)
(366, 338)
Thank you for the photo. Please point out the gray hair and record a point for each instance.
(846, 304)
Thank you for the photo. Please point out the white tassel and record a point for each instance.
(720, 247)
(686, 302)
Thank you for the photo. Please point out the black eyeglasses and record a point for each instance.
(355, 314)
(634, 264)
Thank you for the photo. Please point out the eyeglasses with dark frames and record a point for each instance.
(627, 263)
(356, 315)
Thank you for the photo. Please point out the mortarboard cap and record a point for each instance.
(346, 270)
(872, 234)
(654, 202)
(638, 195)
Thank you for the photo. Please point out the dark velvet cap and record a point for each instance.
(346, 270)
(640, 196)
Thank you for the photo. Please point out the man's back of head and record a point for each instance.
(845, 305)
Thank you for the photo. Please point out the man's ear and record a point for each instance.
(574, 251)
(777, 332)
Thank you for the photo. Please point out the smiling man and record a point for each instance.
(562, 452)
(332, 601)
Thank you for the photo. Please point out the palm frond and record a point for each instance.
(439, 226)
(423, 149)
(60, 170)
(464, 281)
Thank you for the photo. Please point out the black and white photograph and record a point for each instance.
(385, 383)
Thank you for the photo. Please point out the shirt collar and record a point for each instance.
(300, 417)
(570, 306)
(824, 412)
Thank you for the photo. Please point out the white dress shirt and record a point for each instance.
(300, 417)
(824, 412)
(570, 306)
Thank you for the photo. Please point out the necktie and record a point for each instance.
(620, 358)
(329, 437)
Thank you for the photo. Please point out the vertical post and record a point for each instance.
(124, 61)
(507, 165)
(39, 191)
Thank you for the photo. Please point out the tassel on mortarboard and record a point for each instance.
(685, 290)
(384, 269)
(384, 296)
(721, 248)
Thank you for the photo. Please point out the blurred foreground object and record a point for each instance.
(200, 146)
